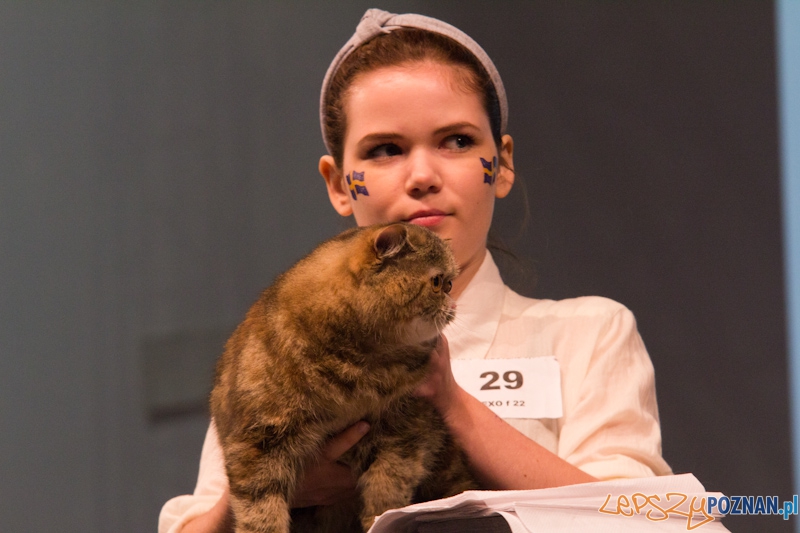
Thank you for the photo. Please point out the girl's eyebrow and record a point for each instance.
(456, 127)
(379, 137)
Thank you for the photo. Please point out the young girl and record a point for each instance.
(413, 115)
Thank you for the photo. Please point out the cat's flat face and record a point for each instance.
(406, 288)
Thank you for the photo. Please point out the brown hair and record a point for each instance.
(401, 46)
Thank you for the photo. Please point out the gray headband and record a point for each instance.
(376, 21)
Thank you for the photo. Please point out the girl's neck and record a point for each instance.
(467, 272)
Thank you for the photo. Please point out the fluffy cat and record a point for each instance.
(344, 335)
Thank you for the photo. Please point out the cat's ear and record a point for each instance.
(390, 241)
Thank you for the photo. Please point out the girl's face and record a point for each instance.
(419, 148)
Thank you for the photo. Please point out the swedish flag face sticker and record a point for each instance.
(357, 185)
(489, 170)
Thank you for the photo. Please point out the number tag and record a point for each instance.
(513, 388)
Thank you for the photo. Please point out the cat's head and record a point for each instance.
(404, 274)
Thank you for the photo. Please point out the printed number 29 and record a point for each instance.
(512, 378)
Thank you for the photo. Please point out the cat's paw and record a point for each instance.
(367, 521)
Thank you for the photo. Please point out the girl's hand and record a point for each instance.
(440, 388)
(218, 519)
(326, 481)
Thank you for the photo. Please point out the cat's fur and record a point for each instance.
(345, 335)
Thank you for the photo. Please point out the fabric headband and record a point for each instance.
(376, 21)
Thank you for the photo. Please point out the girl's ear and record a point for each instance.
(338, 193)
(505, 171)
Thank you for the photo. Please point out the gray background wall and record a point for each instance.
(158, 168)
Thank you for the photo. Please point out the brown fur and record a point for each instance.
(344, 335)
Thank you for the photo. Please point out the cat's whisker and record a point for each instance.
(458, 323)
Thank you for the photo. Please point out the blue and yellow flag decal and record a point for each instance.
(357, 185)
(489, 170)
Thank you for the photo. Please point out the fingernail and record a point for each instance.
(362, 427)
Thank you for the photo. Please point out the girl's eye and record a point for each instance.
(458, 142)
(384, 150)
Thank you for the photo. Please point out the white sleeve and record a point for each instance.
(211, 484)
(613, 429)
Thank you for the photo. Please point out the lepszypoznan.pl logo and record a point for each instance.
(696, 510)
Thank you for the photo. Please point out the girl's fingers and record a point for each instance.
(442, 346)
(443, 349)
(345, 440)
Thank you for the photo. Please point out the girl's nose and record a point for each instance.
(423, 175)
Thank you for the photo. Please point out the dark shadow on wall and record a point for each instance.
(647, 135)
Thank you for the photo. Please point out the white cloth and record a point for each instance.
(610, 428)
(211, 483)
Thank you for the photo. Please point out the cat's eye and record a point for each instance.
(448, 285)
(441, 284)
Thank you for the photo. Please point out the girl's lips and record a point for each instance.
(426, 218)
(427, 221)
